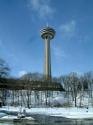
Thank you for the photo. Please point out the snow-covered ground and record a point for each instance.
(73, 113)
(11, 117)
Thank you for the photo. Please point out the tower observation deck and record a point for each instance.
(47, 34)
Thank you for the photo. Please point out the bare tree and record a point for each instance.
(74, 86)
(4, 69)
(4, 72)
(89, 81)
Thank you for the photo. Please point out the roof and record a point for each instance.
(17, 84)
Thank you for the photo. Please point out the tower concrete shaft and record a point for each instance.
(47, 70)
(47, 34)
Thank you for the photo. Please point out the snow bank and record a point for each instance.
(73, 113)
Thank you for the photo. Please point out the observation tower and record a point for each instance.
(47, 34)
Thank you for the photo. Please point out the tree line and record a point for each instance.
(74, 84)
